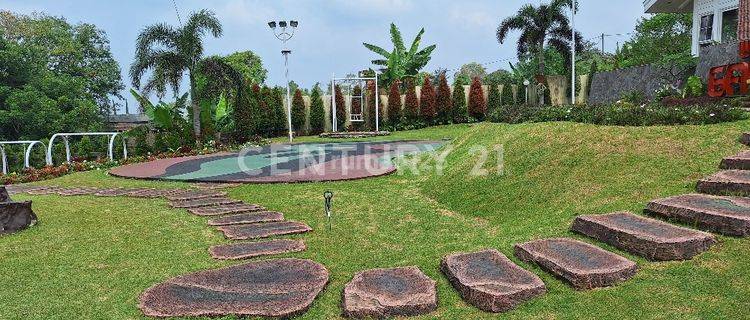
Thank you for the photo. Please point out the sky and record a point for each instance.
(331, 32)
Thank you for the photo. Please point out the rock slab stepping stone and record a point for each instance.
(83, 191)
(649, 238)
(245, 218)
(583, 265)
(725, 215)
(47, 190)
(490, 281)
(727, 182)
(383, 293)
(264, 230)
(740, 161)
(225, 209)
(194, 195)
(117, 192)
(249, 250)
(271, 288)
(203, 203)
(151, 193)
(4, 196)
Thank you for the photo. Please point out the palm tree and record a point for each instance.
(400, 63)
(545, 25)
(168, 53)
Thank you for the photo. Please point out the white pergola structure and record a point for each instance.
(353, 82)
(65, 136)
(29, 145)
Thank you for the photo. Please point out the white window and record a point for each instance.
(729, 25)
(707, 28)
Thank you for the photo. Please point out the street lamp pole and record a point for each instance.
(282, 34)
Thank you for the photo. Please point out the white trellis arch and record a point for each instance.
(27, 154)
(355, 117)
(65, 136)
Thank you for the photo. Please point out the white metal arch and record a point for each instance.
(27, 154)
(334, 80)
(65, 136)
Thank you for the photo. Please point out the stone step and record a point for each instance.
(490, 281)
(247, 250)
(45, 190)
(245, 218)
(388, 293)
(649, 238)
(280, 288)
(740, 161)
(151, 193)
(215, 185)
(727, 182)
(745, 138)
(725, 215)
(118, 192)
(194, 195)
(225, 209)
(583, 265)
(208, 202)
(263, 230)
(78, 191)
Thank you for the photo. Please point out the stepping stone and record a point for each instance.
(215, 185)
(46, 190)
(740, 161)
(225, 209)
(152, 193)
(727, 182)
(490, 281)
(194, 195)
(385, 293)
(280, 288)
(247, 250)
(244, 218)
(77, 191)
(117, 192)
(583, 265)
(208, 202)
(725, 215)
(264, 230)
(649, 238)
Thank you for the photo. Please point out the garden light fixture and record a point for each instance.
(285, 35)
(328, 196)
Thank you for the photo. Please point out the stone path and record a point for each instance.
(203, 202)
(649, 238)
(490, 281)
(225, 209)
(245, 218)
(727, 182)
(246, 250)
(385, 293)
(740, 161)
(271, 288)
(583, 265)
(725, 215)
(263, 230)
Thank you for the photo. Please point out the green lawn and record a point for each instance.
(90, 257)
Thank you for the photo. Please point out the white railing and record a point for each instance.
(65, 136)
(29, 146)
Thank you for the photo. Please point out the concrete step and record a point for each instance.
(726, 182)
(208, 202)
(225, 209)
(740, 161)
(649, 238)
(245, 218)
(263, 230)
(248, 250)
(583, 265)
(725, 215)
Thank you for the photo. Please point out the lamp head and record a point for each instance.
(328, 195)
(294, 23)
(526, 83)
(282, 24)
(272, 24)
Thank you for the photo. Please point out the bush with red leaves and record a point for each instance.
(394, 103)
(427, 101)
(477, 105)
(411, 104)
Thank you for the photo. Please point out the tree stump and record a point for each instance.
(14, 216)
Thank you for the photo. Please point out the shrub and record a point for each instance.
(427, 101)
(477, 105)
(459, 104)
(411, 104)
(394, 104)
(694, 87)
(443, 102)
(243, 116)
(507, 94)
(278, 112)
(317, 112)
(298, 111)
(371, 98)
(493, 99)
(340, 108)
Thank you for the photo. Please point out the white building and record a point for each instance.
(714, 21)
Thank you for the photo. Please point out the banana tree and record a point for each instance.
(401, 63)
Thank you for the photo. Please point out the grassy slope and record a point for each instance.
(90, 257)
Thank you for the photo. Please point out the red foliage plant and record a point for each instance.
(394, 102)
(427, 101)
(411, 104)
(443, 102)
(477, 105)
(340, 107)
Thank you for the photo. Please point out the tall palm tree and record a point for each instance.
(171, 52)
(545, 25)
(400, 62)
